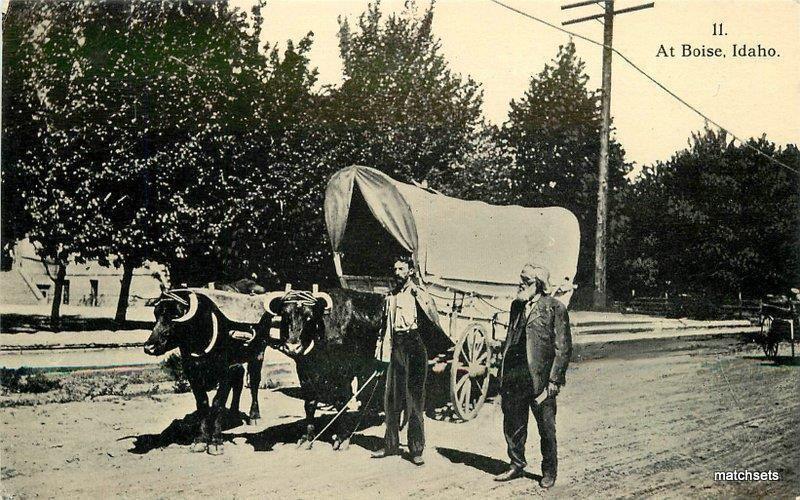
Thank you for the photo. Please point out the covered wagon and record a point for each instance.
(468, 254)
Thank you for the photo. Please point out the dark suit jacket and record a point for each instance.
(548, 340)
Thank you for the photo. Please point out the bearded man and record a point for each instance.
(411, 322)
(537, 352)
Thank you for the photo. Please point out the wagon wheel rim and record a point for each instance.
(469, 371)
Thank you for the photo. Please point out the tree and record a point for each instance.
(400, 108)
(715, 219)
(18, 127)
(553, 132)
(165, 120)
(42, 158)
(484, 173)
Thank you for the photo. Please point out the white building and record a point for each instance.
(27, 281)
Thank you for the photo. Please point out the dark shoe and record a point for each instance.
(512, 473)
(548, 480)
(385, 453)
(417, 460)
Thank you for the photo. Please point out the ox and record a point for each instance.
(332, 339)
(212, 354)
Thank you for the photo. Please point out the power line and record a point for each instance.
(659, 84)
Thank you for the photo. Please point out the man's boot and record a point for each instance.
(512, 473)
(548, 479)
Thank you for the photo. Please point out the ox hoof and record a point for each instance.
(341, 445)
(198, 447)
(216, 449)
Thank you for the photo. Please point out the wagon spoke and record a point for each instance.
(467, 392)
(480, 345)
(461, 392)
(465, 350)
(473, 345)
(461, 382)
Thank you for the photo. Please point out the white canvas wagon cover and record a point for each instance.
(462, 245)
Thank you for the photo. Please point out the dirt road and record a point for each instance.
(649, 419)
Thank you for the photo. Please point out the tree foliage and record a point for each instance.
(716, 218)
(160, 124)
(400, 108)
(547, 153)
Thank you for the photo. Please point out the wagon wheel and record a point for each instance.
(768, 343)
(469, 371)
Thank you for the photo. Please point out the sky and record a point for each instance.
(502, 50)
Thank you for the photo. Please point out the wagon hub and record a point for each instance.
(477, 370)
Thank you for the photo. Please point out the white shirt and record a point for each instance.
(405, 314)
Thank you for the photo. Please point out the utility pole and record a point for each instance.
(600, 294)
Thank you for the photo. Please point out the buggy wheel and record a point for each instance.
(769, 342)
(770, 349)
(469, 371)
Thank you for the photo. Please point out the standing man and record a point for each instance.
(410, 321)
(538, 349)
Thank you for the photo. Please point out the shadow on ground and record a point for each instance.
(489, 465)
(182, 432)
(776, 361)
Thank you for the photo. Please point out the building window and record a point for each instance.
(44, 289)
(65, 294)
(93, 292)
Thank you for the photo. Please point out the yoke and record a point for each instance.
(236, 307)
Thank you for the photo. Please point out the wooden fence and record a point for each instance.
(690, 306)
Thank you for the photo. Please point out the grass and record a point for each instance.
(69, 386)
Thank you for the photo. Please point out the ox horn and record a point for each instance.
(213, 341)
(191, 312)
(269, 298)
(322, 295)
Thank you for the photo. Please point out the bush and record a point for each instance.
(173, 367)
(38, 383)
(25, 380)
(10, 378)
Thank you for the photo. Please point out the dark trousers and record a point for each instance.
(405, 388)
(518, 397)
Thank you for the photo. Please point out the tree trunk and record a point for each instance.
(55, 312)
(124, 292)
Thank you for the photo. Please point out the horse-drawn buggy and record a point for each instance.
(779, 318)
(467, 254)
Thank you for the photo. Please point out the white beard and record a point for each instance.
(526, 293)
